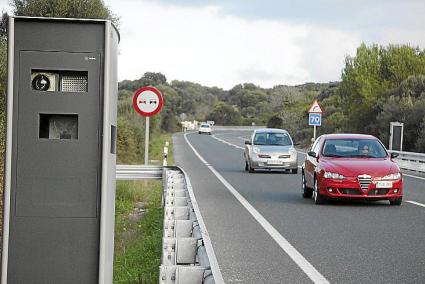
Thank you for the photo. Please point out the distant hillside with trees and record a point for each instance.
(378, 85)
(244, 104)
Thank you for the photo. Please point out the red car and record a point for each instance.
(351, 166)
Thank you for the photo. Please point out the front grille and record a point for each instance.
(351, 191)
(380, 191)
(364, 181)
(284, 156)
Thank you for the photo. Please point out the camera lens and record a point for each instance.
(41, 82)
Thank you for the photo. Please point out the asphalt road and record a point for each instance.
(256, 237)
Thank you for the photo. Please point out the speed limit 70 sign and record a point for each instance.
(315, 119)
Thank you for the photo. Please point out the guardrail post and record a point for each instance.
(164, 162)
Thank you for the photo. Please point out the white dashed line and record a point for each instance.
(406, 175)
(416, 203)
(225, 142)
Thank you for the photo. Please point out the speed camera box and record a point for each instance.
(60, 156)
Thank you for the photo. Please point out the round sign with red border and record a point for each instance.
(147, 101)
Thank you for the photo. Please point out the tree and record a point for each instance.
(369, 78)
(88, 9)
(406, 104)
(275, 122)
(153, 79)
(223, 114)
(420, 142)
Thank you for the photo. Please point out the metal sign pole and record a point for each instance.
(147, 141)
(314, 133)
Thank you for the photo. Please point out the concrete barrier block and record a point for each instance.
(183, 228)
(190, 275)
(186, 250)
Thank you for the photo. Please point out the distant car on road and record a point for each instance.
(351, 166)
(205, 128)
(270, 148)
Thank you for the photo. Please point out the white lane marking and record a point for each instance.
(221, 134)
(287, 247)
(243, 138)
(416, 203)
(225, 142)
(413, 176)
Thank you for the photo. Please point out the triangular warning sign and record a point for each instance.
(315, 107)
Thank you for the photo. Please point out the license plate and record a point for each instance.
(384, 184)
(274, 162)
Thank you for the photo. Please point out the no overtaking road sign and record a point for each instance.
(147, 101)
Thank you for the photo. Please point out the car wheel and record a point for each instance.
(199, 132)
(295, 171)
(307, 192)
(318, 198)
(246, 166)
(396, 201)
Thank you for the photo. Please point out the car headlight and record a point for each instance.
(256, 150)
(333, 175)
(393, 176)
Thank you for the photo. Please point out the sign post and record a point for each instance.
(147, 101)
(315, 116)
(147, 126)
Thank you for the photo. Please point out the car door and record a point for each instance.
(312, 162)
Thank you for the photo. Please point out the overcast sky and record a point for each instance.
(226, 42)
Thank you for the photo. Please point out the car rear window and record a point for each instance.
(369, 148)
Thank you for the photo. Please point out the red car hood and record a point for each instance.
(353, 167)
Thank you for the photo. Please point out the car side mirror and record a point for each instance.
(247, 142)
(297, 144)
(312, 154)
(394, 155)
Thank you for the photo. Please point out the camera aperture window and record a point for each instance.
(58, 126)
(59, 81)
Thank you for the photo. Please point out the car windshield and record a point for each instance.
(351, 148)
(205, 125)
(272, 139)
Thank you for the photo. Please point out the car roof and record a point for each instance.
(349, 136)
(270, 130)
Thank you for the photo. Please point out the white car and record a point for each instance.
(270, 148)
(205, 128)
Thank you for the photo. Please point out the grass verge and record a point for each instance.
(138, 224)
(138, 232)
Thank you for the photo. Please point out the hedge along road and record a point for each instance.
(344, 242)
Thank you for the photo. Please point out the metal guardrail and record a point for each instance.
(411, 161)
(136, 172)
(187, 254)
